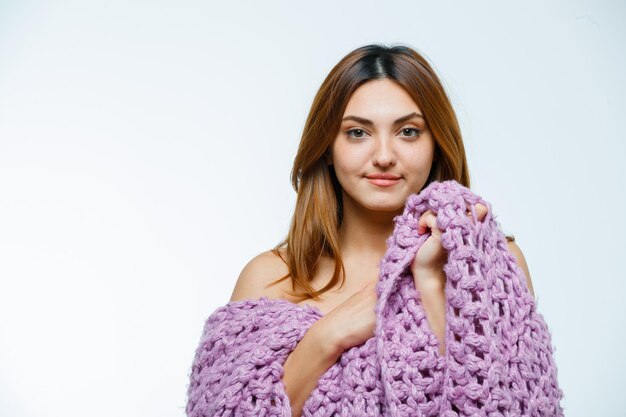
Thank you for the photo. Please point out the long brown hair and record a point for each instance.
(313, 231)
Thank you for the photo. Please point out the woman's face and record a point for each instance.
(382, 132)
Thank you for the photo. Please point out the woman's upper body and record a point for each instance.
(381, 128)
(393, 133)
(254, 279)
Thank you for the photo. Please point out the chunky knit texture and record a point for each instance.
(498, 358)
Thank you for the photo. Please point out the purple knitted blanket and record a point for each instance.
(498, 357)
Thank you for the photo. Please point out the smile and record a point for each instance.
(383, 182)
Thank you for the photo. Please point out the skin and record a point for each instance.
(359, 150)
(406, 150)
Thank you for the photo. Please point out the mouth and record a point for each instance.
(384, 182)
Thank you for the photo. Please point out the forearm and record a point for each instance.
(311, 358)
(431, 285)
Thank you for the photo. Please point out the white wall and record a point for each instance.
(145, 151)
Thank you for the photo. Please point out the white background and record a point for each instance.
(145, 152)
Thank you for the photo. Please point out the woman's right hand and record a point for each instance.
(352, 322)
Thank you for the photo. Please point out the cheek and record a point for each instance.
(346, 170)
(349, 160)
(420, 158)
(420, 162)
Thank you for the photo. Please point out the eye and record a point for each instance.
(418, 132)
(358, 133)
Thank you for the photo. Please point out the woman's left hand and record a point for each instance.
(431, 256)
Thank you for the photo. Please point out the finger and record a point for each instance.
(481, 211)
(422, 224)
(428, 220)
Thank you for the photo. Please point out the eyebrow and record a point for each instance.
(370, 123)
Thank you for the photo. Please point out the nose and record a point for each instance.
(384, 155)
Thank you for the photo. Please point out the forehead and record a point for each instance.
(380, 100)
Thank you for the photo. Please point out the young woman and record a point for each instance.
(381, 128)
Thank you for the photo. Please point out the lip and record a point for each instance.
(384, 176)
(383, 182)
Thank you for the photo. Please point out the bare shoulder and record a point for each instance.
(255, 276)
(521, 261)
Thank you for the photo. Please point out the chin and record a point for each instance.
(386, 206)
